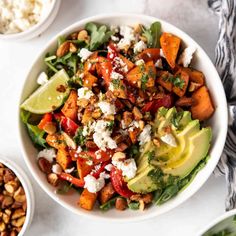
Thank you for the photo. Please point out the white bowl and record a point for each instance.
(218, 121)
(28, 191)
(227, 220)
(38, 28)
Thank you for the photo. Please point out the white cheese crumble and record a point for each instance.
(145, 135)
(20, 15)
(48, 154)
(108, 167)
(128, 167)
(92, 184)
(84, 53)
(104, 175)
(79, 149)
(68, 171)
(114, 38)
(56, 168)
(139, 46)
(84, 93)
(42, 78)
(107, 108)
(158, 64)
(98, 154)
(102, 135)
(169, 139)
(115, 75)
(139, 62)
(186, 56)
(128, 36)
(162, 54)
(118, 63)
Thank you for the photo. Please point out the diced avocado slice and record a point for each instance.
(185, 119)
(197, 149)
(142, 182)
(146, 148)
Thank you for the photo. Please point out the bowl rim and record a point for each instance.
(215, 221)
(55, 4)
(24, 180)
(139, 217)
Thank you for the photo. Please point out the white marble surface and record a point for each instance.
(15, 59)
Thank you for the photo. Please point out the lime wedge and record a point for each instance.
(49, 96)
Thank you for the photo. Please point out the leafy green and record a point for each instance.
(60, 40)
(36, 134)
(153, 35)
(99, 35)
(223, 232)
(110, 125)
(133, 205)
(108, 205)
(176, 81)
(175, 120)
(168, 193)
(144, 80)
(116, 83)
(157, 176)
(151, 156)
(64, 188)
(133, 151)
(79, 138)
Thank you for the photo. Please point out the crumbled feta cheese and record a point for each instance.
(98, 154)
(139, 62)
(20, 15)
(139, 46)
(115, 75)
(104, 175)
(68, 171)
(119, 64)
(107, 108)
(48, 154)
(128, 167)
(92, 184)
(158, 64)
(84, 53)
(161, 53)
(114, 38)
(111, 87)
(169, 139)
(186, 56)
(145, 135)
(84, 93)
(108, 167)
(128, 36)
(42, 78)
(102, 135)
(56, 168)
(79, 149)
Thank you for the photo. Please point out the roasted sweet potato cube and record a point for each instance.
(129, 63)
(133, 134)
(170, 45)
(181, 87)
(163, 80)
(90, 64)
(87, 200)
(83, 167)
(149, 54)
(106, 193)
(203, 107)
(63, 158)
(56, 141)
(70, 108)
(195, 76)
(89, 80)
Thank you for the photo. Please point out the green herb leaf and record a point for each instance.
(153, 35)
(116, 83)
(79, 138)
(99, 35)
(168, 193)
(108, 205)
(176, 81)
(134, 205)
(144, 80)
(156, 175)
(60, 40)
(133, 151)
(175, 120)
(110, 125)
(151, 156)
(64, 188)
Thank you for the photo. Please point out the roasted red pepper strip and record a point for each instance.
(68, 125)
(119, 184)
(46, 118)
(75, 181)
(105, 67)
(97, 173)
(112, 51)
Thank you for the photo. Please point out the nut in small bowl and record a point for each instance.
(16, 199)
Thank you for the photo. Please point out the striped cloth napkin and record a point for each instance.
(225, 62)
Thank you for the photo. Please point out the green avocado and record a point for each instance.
(192, 146)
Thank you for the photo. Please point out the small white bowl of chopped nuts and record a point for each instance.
(16, 199)
(23, 20)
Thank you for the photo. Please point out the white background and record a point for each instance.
(50, 219)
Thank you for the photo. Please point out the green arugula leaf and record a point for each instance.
(79, 138)
(153, 35)
(144, 80)
(133, 205)
(108, 205)
(99, 35)
(175, 120)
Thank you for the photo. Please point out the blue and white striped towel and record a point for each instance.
(225, 62)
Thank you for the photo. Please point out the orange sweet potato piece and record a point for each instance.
(184, 77)
(163, 80)
(133, 134)
(135, 76)
(106, 193)
(90, 64)
(70, 108)
(63, 158)
(195, 76)
(56, 141)
(129, 63)
(203, 107)
(87, 200)
(83, 167)
(89, 80)
(149, 54)
(170, 45)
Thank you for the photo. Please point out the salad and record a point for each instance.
(119, 116)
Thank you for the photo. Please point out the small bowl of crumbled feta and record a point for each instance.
(24, 19)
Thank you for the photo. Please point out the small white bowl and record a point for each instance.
(38, 28)
(222, 222)
(28, 191)
(218, 122)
